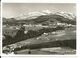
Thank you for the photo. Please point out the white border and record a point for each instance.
(49, 1)
(40, 57)
(1, 30)
(78, 29)
(40, 1)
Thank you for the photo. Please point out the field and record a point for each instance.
(59, 42)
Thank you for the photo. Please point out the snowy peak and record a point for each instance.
(36, 13)
(46, 11)
(66, 15)
(33, 15)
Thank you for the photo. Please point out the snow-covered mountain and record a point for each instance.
(66, 15)
(33, 15)
(44, 17)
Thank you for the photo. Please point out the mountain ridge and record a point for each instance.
(45, 17)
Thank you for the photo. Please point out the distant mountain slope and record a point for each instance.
(44, 18)
(49, 19)
(54, 18)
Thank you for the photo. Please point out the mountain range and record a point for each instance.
(43, 17)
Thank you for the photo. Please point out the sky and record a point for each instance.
(16, 9)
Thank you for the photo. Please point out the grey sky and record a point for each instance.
(16, 9)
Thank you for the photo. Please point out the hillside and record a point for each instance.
(44, 19)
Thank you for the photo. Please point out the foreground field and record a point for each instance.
(52, 50)
(63, 42)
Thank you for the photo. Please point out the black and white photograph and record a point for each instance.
(39, 28)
